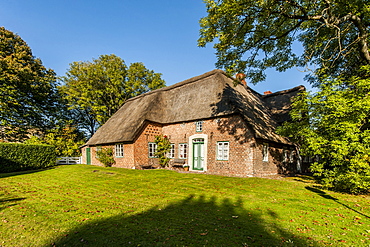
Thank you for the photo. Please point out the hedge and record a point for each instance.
(21, 157)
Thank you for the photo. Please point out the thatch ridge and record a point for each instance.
(287, 91)
(180, 84)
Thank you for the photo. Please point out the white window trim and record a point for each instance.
(151, 153)
(118, 150)
(183, 150)
(199, 126)
(220, 149)
(171, 153)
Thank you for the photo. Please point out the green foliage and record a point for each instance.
(29, 99)
(21, 157)
(256, 35)
(105, 156)
(66, 140)
(163, 147)
(97, 89)
(333, 125)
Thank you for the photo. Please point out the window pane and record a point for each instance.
(152, 149)
(226, 151)
(223, 150)
(171, 153)
(183, 150)
(199, 126)
(219, 151)
(119, 150)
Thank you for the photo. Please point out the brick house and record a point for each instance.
(215, 126)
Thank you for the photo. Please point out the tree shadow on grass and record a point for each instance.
(17, 173)
(190, 222)
(329, 197)
(305, 178)
(8, 202)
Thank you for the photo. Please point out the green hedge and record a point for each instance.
(21, 157)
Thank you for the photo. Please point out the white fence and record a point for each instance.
(68, 160)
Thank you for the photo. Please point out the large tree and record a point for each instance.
(333, 126)
(251, 36)
(96, 90)
(29, 99)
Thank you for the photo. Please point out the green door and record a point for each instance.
(88, 156)
(198, 154)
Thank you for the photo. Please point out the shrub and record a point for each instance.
(105, 156)
(163, 147)
(21, 157)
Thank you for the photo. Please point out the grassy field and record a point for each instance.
(84, 205)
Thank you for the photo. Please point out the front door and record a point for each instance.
(88, 156)
(198, 154)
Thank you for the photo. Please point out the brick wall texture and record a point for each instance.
(245, 152)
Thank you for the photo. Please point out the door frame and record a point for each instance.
(197, 148)
(88, 156)
(191, 151)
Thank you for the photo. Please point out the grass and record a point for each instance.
(84, 205)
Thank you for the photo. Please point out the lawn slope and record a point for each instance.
(84, 205)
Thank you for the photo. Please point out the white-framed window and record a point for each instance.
(265, 152)
(171, 153)
(119, 150)
(183, 151)
(223, 150)
(97, 149)
(152, 149)
(199, 126)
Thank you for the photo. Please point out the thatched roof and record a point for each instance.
(279, 103)
(209, 95)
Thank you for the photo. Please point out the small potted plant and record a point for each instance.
(186, 167)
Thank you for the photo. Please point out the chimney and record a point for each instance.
(241, 77)
(267, 93)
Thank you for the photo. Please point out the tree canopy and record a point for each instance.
(66, 139)
(333, 126)
(97, 89)
(251, 36)
(29, 99)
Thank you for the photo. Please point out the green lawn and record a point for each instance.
(84, 205)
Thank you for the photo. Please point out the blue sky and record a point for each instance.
(160, 33)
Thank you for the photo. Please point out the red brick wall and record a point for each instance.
(231, 129)
(94, 160)
(127, 161)
(245, 153)
(275, 163)
(270, 167)
(83, 155)
(141, 155)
